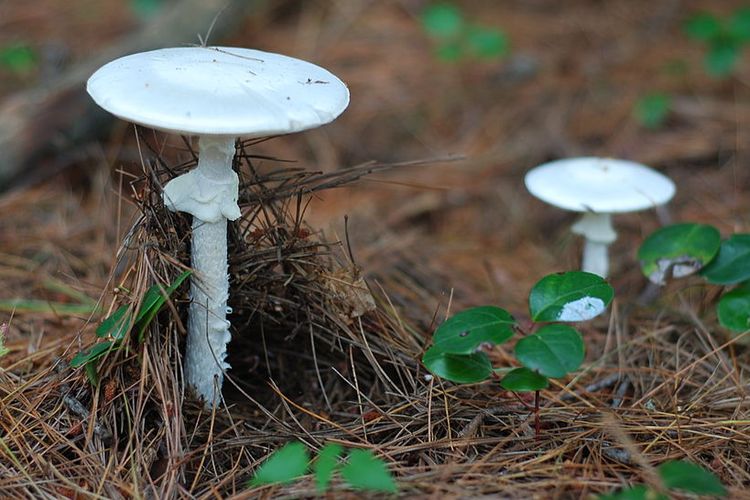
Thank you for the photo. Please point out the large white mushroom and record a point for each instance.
(217, 94)
(598, 187)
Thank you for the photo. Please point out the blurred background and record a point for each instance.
(495, 87)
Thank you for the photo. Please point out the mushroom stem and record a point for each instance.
(209, 193)
(599, 234)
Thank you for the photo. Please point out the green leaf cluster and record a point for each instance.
(458, 39)
(458, 352)
(361, 470)
(18, 58)
(116, 326)
(724, 38)
(679, 250)
(652, 110)
(677, 475)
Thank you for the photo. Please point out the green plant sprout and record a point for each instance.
(675, 475)
(460, 344)
(652, 110)
(683, 249)
(458, 39)
(117, 325)
(725, 38)
(3, 350)
(18, 58)
(361, 470)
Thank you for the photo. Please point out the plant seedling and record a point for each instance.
(683, 249)
(116, 326)
(724, 38)
(361, 470)
(458, 39)
(460, 344)
(675, 475)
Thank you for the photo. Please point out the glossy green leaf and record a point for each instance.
(553, 351)
(689, 477)
(637, 492)
(283, 466)
(571, 296)
(651, 110)
(116, 325)
(732, 264)
(679, 249)
(92, 354)
(486, 43)
(721, 58)
(365, 471)
(469, 330)
(703, 27)
(524, 380)
(442, 20)
(733, 309)
(458, 368)
(325, 465)
(153, 301)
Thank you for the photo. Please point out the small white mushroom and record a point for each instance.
(598, 187)
(218, 94)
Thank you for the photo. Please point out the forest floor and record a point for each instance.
(452, 230)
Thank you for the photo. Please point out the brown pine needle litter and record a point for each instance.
(320, 354)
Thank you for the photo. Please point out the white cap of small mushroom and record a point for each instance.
(217, 94)
(599, 187)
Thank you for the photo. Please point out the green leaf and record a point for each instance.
(283, 466)
(687, 476)
(116, 325)
(152, 302)
(553, 351)
(651, 110)
(739, 24)
(732, 264)
(94, 353)
(325, 465)
(450, 52)
(524, 380)
(146, 9)
(46, 307)
(458, 368)
(637, 492)
(442, 20)
(682, 248)
(570, 296)
(18, 58)
(733, 309)
(364, 471)
(486, 43)
(721, 58)
(470, 330)
(91, 374)
(703, 27)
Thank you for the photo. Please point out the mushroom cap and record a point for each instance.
(218, 91)
(603, 185)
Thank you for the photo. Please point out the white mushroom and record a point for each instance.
(599, 187)
(218, 94)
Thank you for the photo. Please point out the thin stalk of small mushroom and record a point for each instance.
(598, 232)
(209, 193)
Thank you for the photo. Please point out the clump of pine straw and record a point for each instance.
(311, 360)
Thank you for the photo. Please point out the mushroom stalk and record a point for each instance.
(209, 193)
(599, 234)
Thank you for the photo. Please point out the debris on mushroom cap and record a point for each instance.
(219, 91)
(600, 185)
